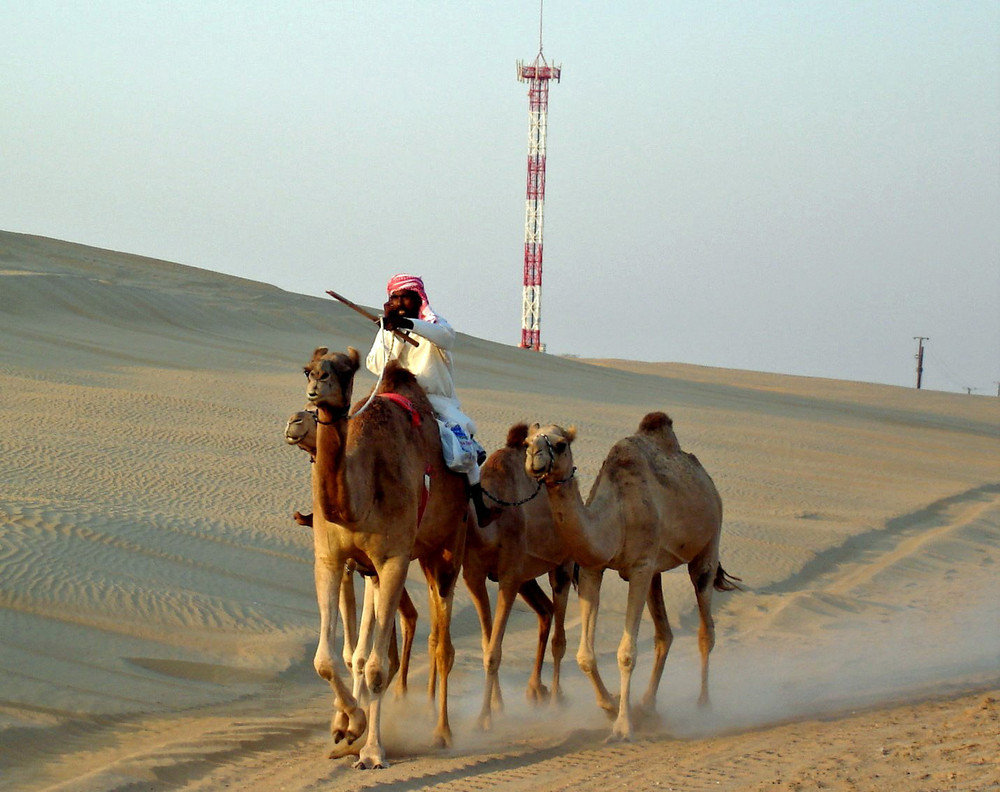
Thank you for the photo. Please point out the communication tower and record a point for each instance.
(537, 75)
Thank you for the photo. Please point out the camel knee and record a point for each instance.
(444, 652)
(323, 665)
(586, 662)
(491, 663)
(559, 645)
(544, 622)
(626, 658)
(375, 676)
(706, 639)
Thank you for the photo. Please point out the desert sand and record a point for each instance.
(157, 609)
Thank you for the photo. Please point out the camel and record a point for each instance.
(300, 431)
(513, 551)
(382, 497)
(518, 547)
(652, 507)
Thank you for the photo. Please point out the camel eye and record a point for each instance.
(560, 446)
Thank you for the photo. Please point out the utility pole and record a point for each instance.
(920, 358)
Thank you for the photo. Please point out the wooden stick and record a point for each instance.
(369, 315)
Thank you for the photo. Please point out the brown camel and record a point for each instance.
(300, 431)
(518, 547)
(382, 497)
(651, 508)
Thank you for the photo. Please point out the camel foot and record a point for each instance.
(537, 694)
(442, 738)
(621, 731)
(371, 763)
(610, 707)
(349, 725)
(485, 722)
(648, 718)
(339, 726)
(704, 702)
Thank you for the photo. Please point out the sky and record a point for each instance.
(796, 186)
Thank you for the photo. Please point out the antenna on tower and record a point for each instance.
(537, 75)
(541, 4)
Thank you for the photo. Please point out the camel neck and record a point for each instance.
(591, 542)
(331, 490)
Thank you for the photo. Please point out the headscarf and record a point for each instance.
(406, 282)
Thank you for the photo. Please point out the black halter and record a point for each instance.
(552, 460)
(338, 416)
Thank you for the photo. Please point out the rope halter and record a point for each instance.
(552, 460)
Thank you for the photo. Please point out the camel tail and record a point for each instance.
(726, 582)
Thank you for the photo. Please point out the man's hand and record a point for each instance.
(393, 321)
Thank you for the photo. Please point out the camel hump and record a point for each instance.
(396, 377)
(516, 435)
(659, 428)
(654, 422)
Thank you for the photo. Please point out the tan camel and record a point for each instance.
(372, 505)
(519, 546)
(300, 431)
(513, 551)
(651, 508)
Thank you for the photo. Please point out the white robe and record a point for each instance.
(431, 363)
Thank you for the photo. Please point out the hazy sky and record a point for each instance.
(797, 186)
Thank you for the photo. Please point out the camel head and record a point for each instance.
(330, 378)
(301, 430)
(548, 456)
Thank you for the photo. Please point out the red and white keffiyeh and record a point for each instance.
(406, 282)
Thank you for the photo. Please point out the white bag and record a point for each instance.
(461, 452)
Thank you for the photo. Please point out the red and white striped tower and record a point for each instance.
(537, 75)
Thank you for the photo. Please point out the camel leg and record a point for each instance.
(363, 645)
(638, 594)
(408, 622)
(432, 643)
(560, 579)
(702, 575)
(378, 668)
(662, 638)
(349, 615)
(539, 602)
(590, 603)
(348, 720)
(372, 754)
(441, 593)
(492, 698)
(476, 583)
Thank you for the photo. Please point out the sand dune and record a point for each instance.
(156, 602)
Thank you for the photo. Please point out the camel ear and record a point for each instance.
(352, 353)
(319, 352)
(570, 435)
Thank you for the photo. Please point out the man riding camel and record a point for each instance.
(430, 361)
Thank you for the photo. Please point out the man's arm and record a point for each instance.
(439, 333)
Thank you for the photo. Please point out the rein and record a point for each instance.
(532, 496)
(538, 481)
